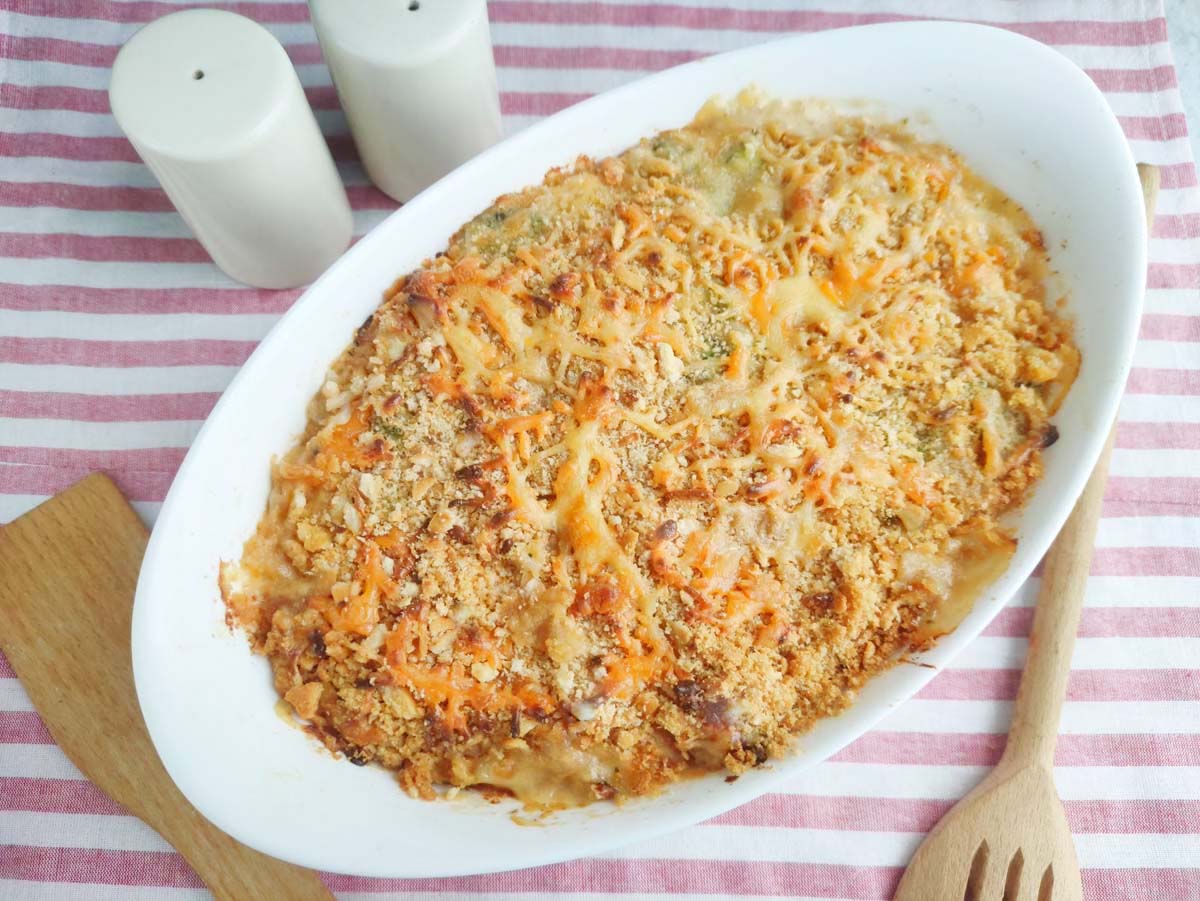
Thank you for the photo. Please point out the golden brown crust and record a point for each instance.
(660, 460)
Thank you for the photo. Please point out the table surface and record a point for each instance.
(1183, 22)
(117, 335)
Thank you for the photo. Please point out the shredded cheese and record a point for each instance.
(661, 459)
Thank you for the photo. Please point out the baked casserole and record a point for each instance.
(660, 460)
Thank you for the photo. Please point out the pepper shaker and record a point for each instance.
(417, 81)
(213, 106)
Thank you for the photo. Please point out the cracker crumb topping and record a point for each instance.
(660, 460)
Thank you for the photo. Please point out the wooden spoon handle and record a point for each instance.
(232, 871)
(1038, 708)
(69, 568)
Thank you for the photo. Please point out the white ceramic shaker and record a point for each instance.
(212, 104)
(417, 81)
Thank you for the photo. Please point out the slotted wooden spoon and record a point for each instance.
(1008, 840)
(69, 569)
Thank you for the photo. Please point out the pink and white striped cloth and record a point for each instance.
(117, 335)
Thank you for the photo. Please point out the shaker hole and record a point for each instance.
(198, 74)
(414, 6)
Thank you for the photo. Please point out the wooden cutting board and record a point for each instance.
(70, 568)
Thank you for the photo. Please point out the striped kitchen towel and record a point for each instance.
(117, 335)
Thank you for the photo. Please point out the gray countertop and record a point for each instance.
(1183, 29)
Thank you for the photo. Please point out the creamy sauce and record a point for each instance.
(977, 566)
(550, 774)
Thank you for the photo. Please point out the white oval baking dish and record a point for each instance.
(1021, 114)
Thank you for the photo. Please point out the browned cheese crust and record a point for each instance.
(660, 460)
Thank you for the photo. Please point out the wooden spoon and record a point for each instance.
(1009, 838)
(70, 567)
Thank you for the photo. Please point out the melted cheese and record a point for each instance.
(670, 445)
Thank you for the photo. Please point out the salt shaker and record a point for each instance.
(212, 104)
(417, 81)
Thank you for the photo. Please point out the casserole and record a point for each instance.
(207, 701)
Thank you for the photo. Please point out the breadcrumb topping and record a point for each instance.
(660, 460)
